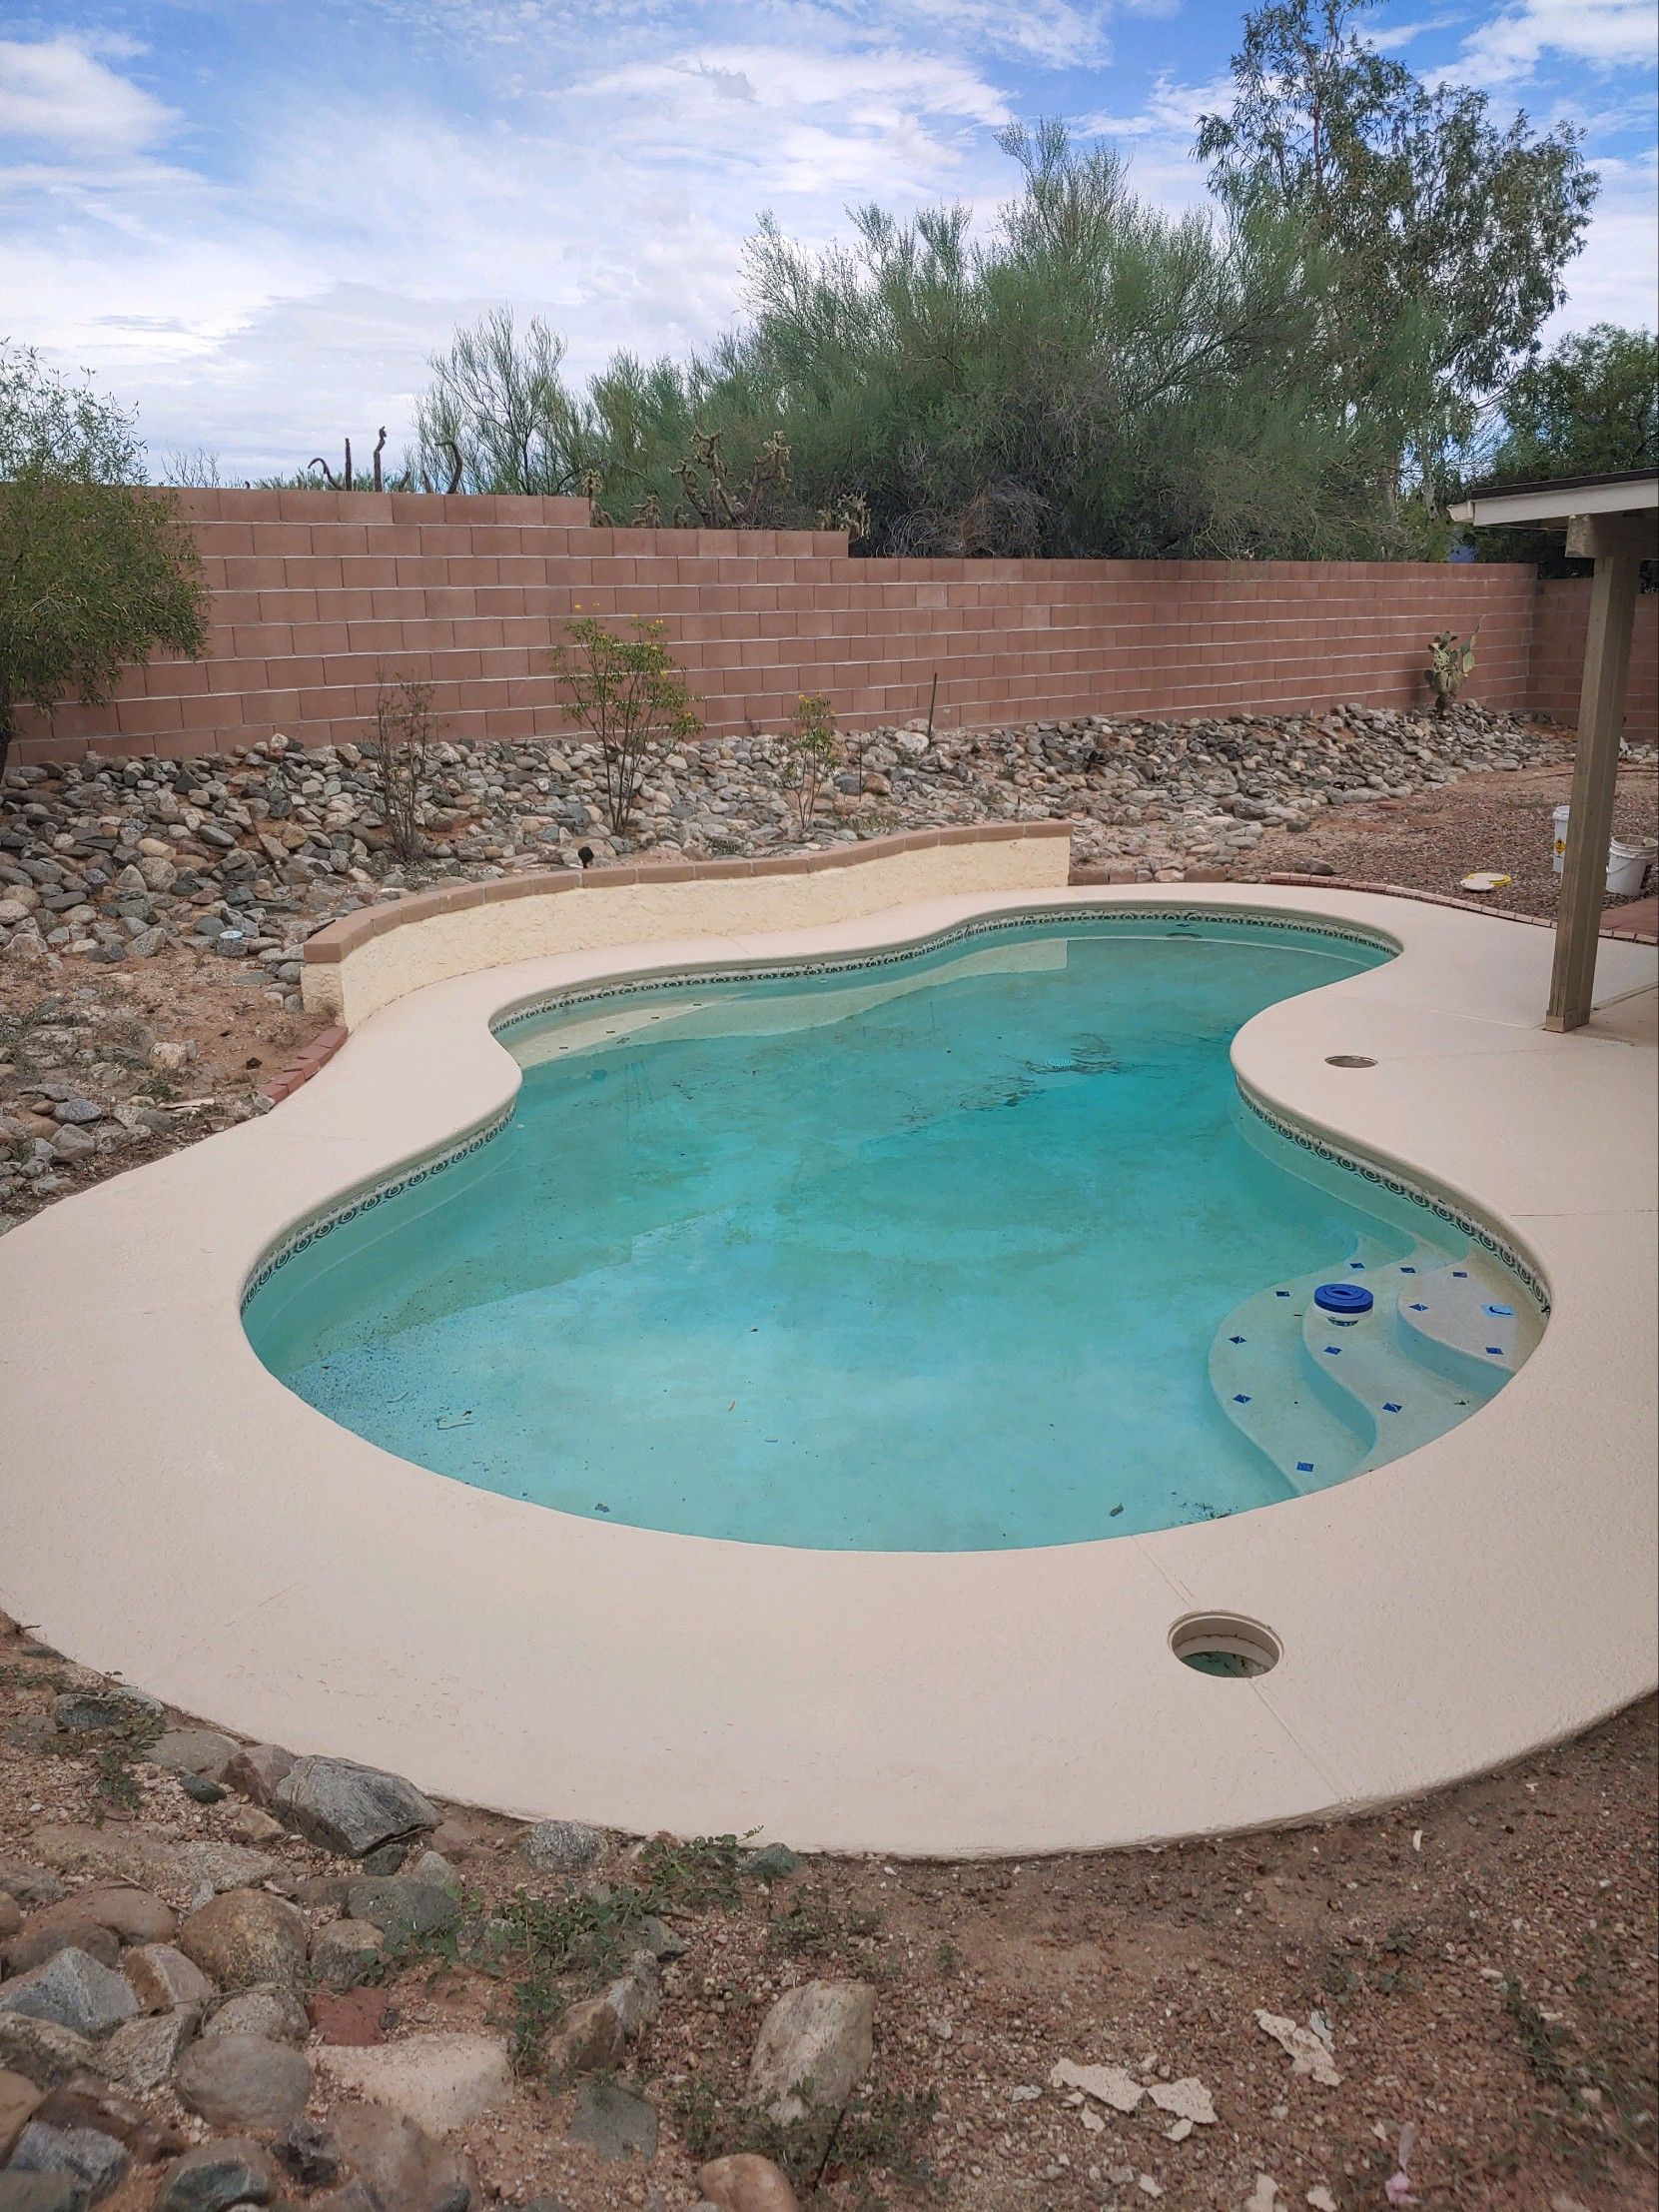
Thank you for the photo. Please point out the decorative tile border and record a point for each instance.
(761, 971)
(1399, 1186)
(334, 1216)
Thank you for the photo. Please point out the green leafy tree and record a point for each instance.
(1433, 210)
(1090, 376)
(1589, 408)
(498, 408)
(627, 690)
(97, 569)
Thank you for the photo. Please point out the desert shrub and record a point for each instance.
(97, 569)
(405, 731)
(811, 755)
(627, 690)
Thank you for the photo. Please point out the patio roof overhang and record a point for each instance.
(1614, 521)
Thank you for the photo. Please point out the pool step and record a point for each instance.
(1467, 1319)
(1368, 1367)
(1258, 1372)
(1327, 1399)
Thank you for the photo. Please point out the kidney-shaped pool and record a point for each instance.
(962, 1249)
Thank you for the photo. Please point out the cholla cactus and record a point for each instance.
(1449, 666)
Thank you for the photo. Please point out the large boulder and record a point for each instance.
(248, 1937)
(350, 1809)
(814, 2048)
(74, 1991)
(244, 2081)
(268, 2009)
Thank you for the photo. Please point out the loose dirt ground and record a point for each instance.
(1483, 1959)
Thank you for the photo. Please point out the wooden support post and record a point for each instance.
(1618, 543)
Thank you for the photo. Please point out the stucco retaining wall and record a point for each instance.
(368, 959)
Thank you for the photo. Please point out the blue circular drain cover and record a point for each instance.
(1343, 1298)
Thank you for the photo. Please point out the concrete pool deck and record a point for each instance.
(172, 1514)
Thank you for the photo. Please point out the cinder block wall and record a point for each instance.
(315, 593)
(1558, 631)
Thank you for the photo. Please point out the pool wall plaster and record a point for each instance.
(365, 960)
(173, 1513)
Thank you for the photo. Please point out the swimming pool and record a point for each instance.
(975, 1248)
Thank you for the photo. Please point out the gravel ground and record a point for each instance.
(1432, 840)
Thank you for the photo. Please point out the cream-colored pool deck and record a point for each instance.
(170, 1511)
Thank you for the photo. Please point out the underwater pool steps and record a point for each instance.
(1324, 1399)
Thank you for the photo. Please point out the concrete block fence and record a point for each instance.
(315, 594)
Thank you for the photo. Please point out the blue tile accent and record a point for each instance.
(1407, 1269)
(1359, 1264)
(1281, 1294)
(1391, 1407)
(1304, 1466)
(1417, 1307)
(1502, 1313)
(1235, 1340)
(1496, 1350)
(1335, 1350)
(1241, 1398)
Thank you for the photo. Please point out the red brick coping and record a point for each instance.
(305, 1065)
(347, 935)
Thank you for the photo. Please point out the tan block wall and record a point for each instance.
(1558, 631)
(314, 593)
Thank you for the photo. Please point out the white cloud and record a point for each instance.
(59, 92)
(1616, 277)
(1605, 34)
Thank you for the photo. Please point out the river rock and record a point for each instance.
(161, 1978)
(402, 1908)
(74, 1991)
(43, 2052)
(268, 2009)
(256, 1768)
(18, 2098)
(399, 2164)
(84, 2154)
(41, 2193)
(342, 1951)
(194, 1752)
(818, 2035)
(247, 1936)
(244, 2081)
(349, 1809)
(613, 2122)
(154, 1861)
(220, 2176)
(588, 2037)
(441, 2083)
(142, 2053)
(564, 1846)
(746, 2182)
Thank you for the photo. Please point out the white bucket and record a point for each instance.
(1626, 869)
(1627, 866)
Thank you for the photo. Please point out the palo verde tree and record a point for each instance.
(1088, 376)
(97, 569)
(1430, 210)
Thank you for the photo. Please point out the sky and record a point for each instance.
(258, 218)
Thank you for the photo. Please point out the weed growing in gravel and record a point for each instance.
(693, 1873)
(809, 1926)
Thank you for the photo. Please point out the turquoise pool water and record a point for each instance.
(930, 1255)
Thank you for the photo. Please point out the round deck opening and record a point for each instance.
(1225, 1646)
